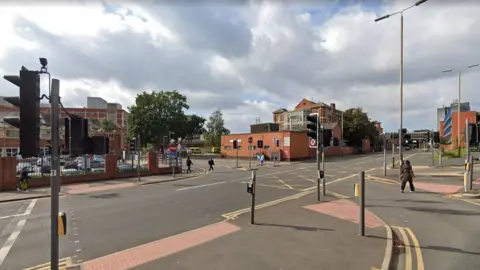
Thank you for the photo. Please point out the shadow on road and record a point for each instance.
(434, 210)
(417, 201)
(450, 249)
(105, 196)
(444, 211)
(296, 227)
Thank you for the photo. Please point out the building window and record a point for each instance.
(12, 152)
(239, 147)
(13, 133)
(227, 147)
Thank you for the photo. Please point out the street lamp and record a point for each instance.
(400, 139)
(459, 100)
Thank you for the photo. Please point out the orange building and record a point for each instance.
(293, 145)
(450, 131)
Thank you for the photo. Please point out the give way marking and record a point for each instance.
(16, 232)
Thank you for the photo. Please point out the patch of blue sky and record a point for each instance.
(321, 11)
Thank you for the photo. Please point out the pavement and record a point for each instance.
(207, 218)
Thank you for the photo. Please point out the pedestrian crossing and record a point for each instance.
(62, 263)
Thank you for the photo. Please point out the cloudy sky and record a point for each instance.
(250, 58)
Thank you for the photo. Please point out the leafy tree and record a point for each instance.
(107, 125)
(215, 129)
(194, 126)
(157, 114)
(357, 126)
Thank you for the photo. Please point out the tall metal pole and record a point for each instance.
(237, 153)
(467, 140)
(318, 158)
(341, 137)
(384, 155)
(459, 108)
(433, 149)
(250, 159)
(138, 158)
(400, 137)
(55, 176)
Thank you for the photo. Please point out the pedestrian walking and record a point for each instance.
(407, 175)
(23, 183)
(189, 164)
(210, 164)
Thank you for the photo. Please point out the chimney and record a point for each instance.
(332, 106)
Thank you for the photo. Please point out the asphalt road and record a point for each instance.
(105, 222)
(446, 230)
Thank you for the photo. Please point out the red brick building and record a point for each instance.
(292, 133)
(9, 135)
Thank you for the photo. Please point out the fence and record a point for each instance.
(41, 167)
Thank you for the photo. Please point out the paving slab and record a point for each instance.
(284, 236)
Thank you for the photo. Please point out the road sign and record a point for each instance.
(312, 143)
(250, 140)
(172, 147)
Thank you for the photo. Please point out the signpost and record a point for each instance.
(250, 141)
(312, 143)
(172, 148)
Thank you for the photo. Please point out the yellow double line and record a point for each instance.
(62, 263)
(407, 235)
(235, 214)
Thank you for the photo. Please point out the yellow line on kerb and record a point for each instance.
(418, 251)
(408, 251)
(416, 245)
(62, 263)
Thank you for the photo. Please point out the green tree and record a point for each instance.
(194, 126)
(107, 125)
(357, 126)
(215, 129)
(156, 114)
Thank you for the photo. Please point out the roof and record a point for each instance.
(280, 110)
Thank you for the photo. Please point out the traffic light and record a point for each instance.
(436, 137)
(473, 130)
(260, 144)
(79, 136)
(278, 143)
(235, 144)
(326, 137)
(133, 145)
(405, 136)
(312, 126)
(29, 104)
(428, 136)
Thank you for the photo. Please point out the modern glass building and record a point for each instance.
(447, 118)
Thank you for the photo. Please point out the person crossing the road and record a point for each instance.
(210, 164)
(23, 183)
(407, 175)
(189, 164)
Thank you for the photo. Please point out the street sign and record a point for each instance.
(250, 140)
(172, 147)
(312, 143)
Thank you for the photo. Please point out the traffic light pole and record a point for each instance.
(318, 159)
(55, 176)
(432, 145)
(322, 168)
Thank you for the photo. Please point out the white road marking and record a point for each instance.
(206, 185)
(18, 229)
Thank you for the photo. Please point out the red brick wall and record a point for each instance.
(8, 179)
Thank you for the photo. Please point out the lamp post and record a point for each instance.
(459, 102)
(400, 139)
